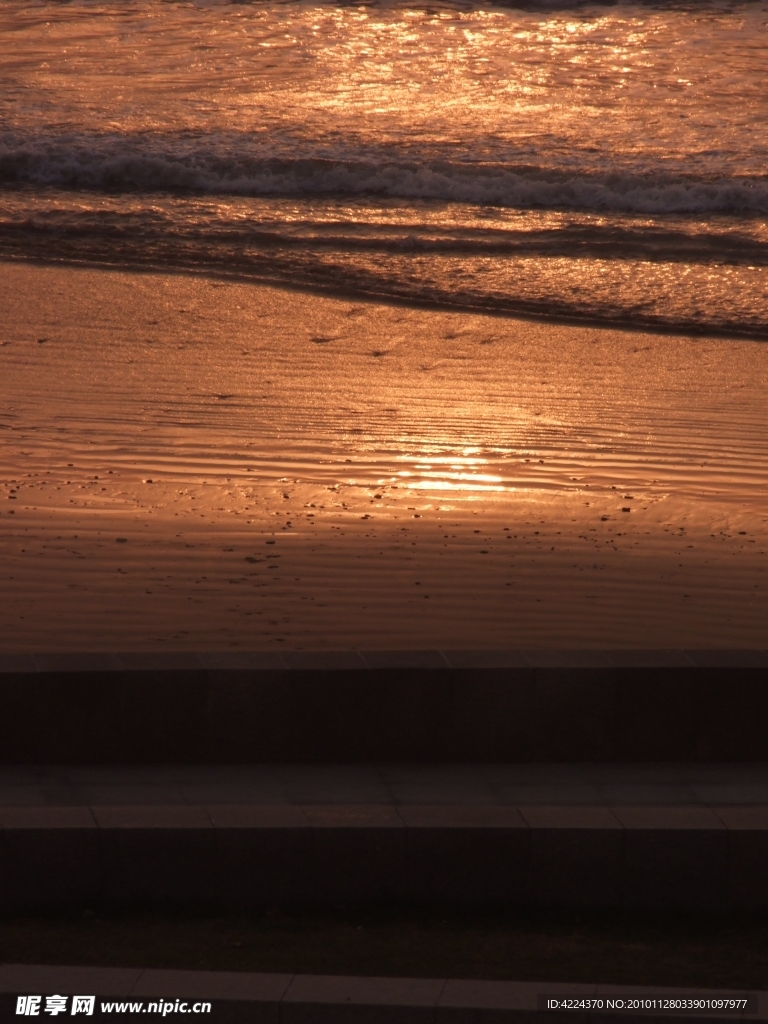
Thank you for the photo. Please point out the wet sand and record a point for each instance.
(188, 463)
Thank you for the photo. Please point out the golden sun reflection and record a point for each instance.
(457, 473)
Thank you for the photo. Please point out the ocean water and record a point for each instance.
(596, 162)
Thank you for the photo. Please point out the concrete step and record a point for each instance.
(352, 706)
(192, 836)
(314, 999)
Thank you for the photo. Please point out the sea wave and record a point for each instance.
(134, 164)
(194, 230)
(706, 274)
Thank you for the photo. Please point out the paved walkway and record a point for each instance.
(308, 999)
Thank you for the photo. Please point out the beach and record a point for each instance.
(383, 327)
(190, 462)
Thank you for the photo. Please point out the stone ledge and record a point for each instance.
(190, 857)
(663, 819)
(386, 706)
(344, 661)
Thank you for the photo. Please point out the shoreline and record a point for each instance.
(554, 319)
(201, 465)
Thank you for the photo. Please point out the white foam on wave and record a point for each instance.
(123, 165)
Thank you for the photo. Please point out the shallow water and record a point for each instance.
(602, 163)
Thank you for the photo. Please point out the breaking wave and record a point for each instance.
(134, 164)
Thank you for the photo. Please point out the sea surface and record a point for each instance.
(595, 162)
